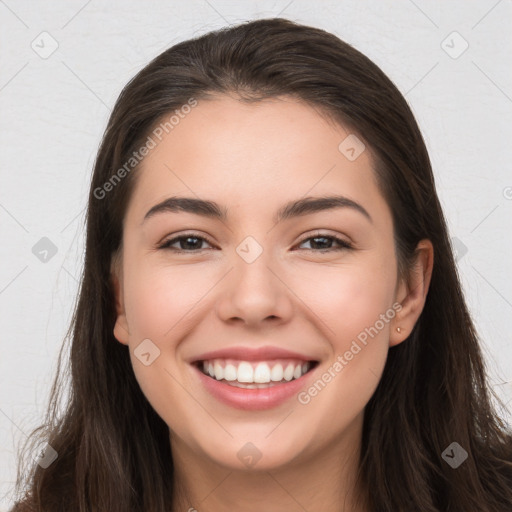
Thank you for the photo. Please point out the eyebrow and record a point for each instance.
(300, 207)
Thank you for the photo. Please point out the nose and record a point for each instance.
(255, 294)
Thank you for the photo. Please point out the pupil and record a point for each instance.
(314, 243)
(187, 240)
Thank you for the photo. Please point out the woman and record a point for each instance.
(270, 316)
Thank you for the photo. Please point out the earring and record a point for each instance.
(398, 329)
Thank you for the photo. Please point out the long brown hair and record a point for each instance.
(113, 449)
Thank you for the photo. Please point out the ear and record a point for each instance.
(121, 331)
(412, 293)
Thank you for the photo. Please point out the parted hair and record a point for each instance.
(113, 449)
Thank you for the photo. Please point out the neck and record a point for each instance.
(323, 481)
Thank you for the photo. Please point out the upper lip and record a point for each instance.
(251, 354)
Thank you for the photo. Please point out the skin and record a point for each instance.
(251, 159)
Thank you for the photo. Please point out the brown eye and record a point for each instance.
(186, 243)
(325, 242)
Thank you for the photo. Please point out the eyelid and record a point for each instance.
(342, 243)
(176, 237)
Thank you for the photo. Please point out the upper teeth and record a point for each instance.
(257, 372)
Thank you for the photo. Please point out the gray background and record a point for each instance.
(54, 108)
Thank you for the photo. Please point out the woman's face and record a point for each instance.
(272, 293)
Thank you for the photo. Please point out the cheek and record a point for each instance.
(162, 304)
(162, 301)
(353, 307)
(348, 299)
(350, 304)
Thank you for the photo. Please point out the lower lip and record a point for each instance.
(253, 399)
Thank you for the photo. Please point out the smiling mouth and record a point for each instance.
(254, 374)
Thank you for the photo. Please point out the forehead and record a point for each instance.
(254, 156)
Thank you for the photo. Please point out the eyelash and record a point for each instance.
(344, 245)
